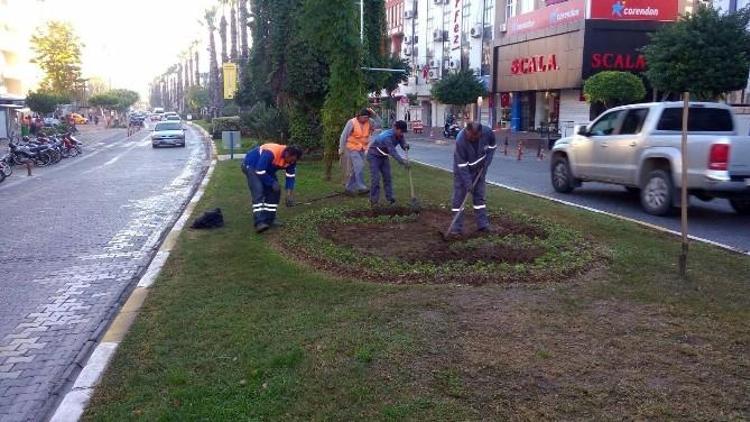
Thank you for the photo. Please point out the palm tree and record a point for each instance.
(197, 63)
(244, 16)
(223, 32)
(213, 69)
(233, 29)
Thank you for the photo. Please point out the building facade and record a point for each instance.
(545, 50)
(437, 37)
(737, 97)
(12, 59)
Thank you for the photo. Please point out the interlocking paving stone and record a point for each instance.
(72, 244)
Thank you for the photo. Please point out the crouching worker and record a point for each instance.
(260, 167)
(381, 148)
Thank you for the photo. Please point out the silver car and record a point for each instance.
(168, 134)
(639, 147)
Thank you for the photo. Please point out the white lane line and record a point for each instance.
(115, 159)
(607, 213)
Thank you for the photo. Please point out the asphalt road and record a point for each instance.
(715, 220)
(75, 237)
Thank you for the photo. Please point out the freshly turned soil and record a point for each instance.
(421, 240)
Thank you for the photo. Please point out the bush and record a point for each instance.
(613, 88)
(230, 110)
(266, 123)
(220, 124)
(305, 129)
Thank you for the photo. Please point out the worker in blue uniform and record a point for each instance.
(260, 166)
(382, 147)
(475, 147)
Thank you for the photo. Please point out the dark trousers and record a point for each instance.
(380, 166)
(264, 200)
(480, 207)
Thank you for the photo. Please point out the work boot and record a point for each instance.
(261, 227)
(374, 205)
(484, 230)
(391, 202)
(364, 191)
(277, 223)
(350, 193)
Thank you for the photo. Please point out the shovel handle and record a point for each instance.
(408, 172)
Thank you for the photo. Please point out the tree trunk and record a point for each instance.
(233, 31)
(223, 36)
(213, 72)
(244, 49)
(197, 69)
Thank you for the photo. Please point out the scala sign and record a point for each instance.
(533, 64)
(614, 61)
(655, 10)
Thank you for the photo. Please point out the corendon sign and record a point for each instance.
(533, 64)
(634, 10)
(616, 61)
(456, 24)
(557, 14)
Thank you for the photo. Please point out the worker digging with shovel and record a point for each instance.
(475, 147)
(382, 147)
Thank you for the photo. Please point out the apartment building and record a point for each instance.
(437, 37)
(737, 97)
(11, 45)
(544, 50)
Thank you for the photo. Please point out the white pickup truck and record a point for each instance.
(638, 146)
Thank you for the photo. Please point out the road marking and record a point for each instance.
(607, 213)
(113, 160)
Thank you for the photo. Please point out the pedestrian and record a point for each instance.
(96, 119)
(352, 146)
(381, 148)
(475, 147)
(260, 166)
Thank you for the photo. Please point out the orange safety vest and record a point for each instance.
(277, 150)
(360, 137)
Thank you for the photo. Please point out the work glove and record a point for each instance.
(275, 186)
(407, 147)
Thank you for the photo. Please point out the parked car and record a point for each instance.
(78, 119)
(639, 147)
(168, 133)
(51, 121)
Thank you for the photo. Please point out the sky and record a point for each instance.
(126, 42)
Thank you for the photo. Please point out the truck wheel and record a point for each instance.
(741, 206)
(562, 178)
(657, 193)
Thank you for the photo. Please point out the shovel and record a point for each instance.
(447, 234)
(320, 198)
(414, 202)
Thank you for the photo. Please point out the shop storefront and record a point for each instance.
(544, 57)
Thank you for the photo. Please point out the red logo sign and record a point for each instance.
(634, 10)
(558, 14)
(614, 61)
(533, 64)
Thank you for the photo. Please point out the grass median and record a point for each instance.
(245, 142)
(236, 329)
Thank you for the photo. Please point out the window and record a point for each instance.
(527, 6)
(633, 121)
(700, 119)
(607, 124)
(489, 12)
(510, 9)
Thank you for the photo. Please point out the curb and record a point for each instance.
(607, 213)
(75, 401)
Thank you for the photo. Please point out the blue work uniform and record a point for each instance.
(469, 160)
(381, 148)
(260, 166)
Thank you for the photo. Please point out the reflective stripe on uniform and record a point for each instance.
(381, 151)
(480, 159)
(290, 175)
(464, 164)
(260, 172)
(479, 207)
(456, 209)
(492, 146)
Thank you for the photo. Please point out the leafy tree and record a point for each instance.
(613, 88)
(106, 100)
(44, 102)
(337, 35)
(197, 98)
(459, 88)
(374, 51)
(213, 66)
(57, 51)
(706, 53)
(116, 99)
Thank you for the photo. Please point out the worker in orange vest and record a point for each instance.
(353, 144)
